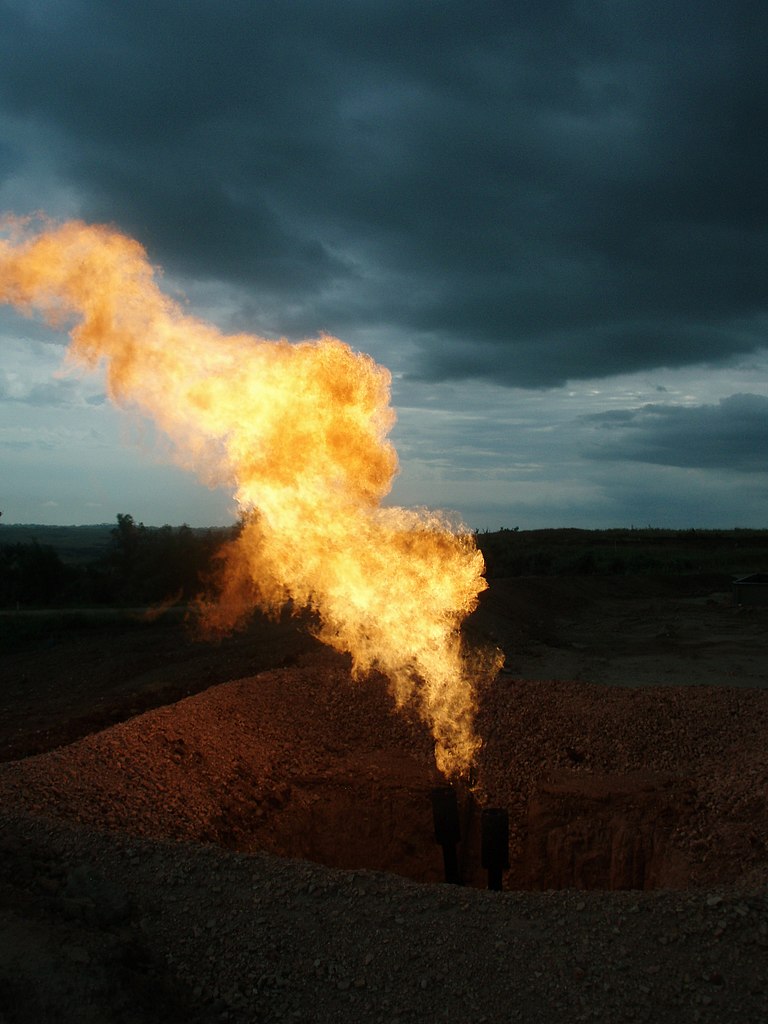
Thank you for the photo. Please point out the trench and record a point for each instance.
(576, 831)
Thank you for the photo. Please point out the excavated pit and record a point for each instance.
(580, 831)
(653, 788)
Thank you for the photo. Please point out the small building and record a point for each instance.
(751, 590)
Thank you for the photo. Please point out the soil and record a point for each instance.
(240, 832)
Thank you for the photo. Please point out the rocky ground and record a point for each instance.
(254, 845)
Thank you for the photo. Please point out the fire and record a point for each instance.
(299, 433)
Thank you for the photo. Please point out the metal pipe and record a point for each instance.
(468, 815)
(494, 844)
(445, 813)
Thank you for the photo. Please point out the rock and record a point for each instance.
(101, 899)
(602, 832)
(77, 954)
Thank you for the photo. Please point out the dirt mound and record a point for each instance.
(605, 788)
(135, 886)
(302, 762)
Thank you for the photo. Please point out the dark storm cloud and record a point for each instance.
(730, 435)
(528, 192)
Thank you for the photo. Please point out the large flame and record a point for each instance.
(299, 431)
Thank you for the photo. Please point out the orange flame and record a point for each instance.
(299, 431)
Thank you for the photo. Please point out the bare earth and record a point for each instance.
(241, 833)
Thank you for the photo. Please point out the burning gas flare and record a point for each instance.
(299, 432)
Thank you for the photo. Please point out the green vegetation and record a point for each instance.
(623, 552)
(131, 565)
(75, 545)
(36, 628)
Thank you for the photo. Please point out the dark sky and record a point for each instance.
(548, 219)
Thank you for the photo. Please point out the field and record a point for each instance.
(154, 785)
(74, 544)
(512, 552)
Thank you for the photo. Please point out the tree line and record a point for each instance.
(140, 566)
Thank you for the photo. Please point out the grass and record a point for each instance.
(623, 552)
(75, 545)
(26, 629)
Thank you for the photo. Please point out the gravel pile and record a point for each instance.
(243, 763)
(99, 928)
(713, 738)
(119, 902)
(170, 772)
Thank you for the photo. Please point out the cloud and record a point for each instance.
(46, 394)
(731, 435)
(493, 200)
(526, 194)
(25, 384)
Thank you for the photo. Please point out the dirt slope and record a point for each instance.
(142, 867)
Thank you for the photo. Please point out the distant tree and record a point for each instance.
(126, 539)
(31, 574)
(148, 565)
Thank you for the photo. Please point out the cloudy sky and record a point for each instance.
(547, 219)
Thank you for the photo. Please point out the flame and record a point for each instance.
(299, 433)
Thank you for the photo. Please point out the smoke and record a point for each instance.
(299, 434)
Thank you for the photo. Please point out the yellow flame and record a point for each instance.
(299, 431)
